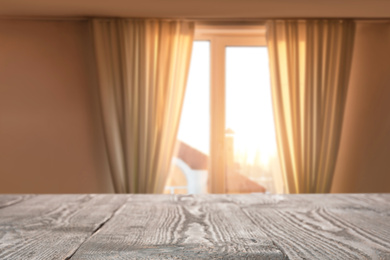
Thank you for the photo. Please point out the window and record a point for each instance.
(226, 141)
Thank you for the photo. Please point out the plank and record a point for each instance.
(11, 199)
(334, 226)
(179, 227)
(53, 226)
(324, 226)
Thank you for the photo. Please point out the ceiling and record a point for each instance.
(198, 9)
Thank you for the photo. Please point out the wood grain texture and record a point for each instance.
(253, 226)
(179, 227)
(52, 226)
(11, 199)
(353, 226)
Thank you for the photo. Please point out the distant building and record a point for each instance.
(198, 161)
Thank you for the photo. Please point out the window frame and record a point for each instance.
(220, 37)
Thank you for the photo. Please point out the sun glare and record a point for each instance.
(250, 147)
(248, 104)
(195, 120)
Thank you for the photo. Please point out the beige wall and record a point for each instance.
(364, 159)
(49, 130)
(211, 9)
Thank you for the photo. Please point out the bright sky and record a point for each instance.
(248, 102)
(195, 119)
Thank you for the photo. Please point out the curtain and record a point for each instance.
(310, 63)
(142, 67)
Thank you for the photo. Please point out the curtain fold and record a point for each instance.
(142, 67)
(310, 63)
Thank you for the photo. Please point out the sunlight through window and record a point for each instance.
(189, 170)
(250, 136)
(244, 157)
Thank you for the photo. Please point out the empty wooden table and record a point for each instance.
(252, 226)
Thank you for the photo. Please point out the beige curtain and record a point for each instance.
(310, 64)
(142, 67)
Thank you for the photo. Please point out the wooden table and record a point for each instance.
(252, 226)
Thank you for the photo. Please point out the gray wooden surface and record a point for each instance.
(252, 226)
